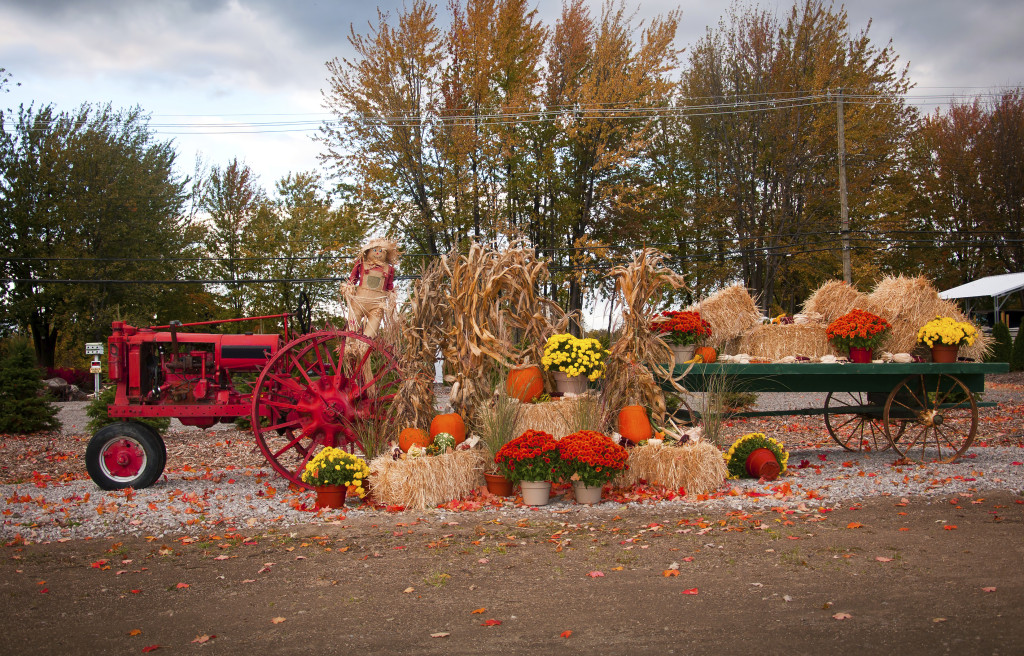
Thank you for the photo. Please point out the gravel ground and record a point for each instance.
(202, 500)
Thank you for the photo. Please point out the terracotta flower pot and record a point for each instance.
(498, 485)
(330, 496)
(761, 463)
(944, 353)
(860, 355)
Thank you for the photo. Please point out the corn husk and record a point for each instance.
(697, 468)
(776, 341)
(427, 481)
(910, 302)
(835, 298)
(731, 312)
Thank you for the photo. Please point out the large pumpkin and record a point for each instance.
(410, 437)
(706, 353)
(634, 424)
(525, 383)
(449, 423)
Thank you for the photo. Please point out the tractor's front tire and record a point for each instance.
(125, 454)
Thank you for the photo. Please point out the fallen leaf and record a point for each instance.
(670, 572)
(691, 591)
(939, 619)
(277, 620)
(409, 589)
(992, 589)
(479, 611)
(854, 525)
(442, 634)
(146, 650)
(949, 527)
(181, 585)
(787, 598)
(617, 569)
(135, 632)
(222, 557)
(566, 634)
(842, 616)
(490, 623)
(203, 638)
(883, 559)
(595, 574)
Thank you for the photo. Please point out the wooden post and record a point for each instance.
(844, 230)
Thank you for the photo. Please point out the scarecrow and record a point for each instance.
(371, 286)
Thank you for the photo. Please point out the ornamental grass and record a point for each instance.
(591, 458)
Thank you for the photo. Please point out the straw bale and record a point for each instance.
(835, 298)
(910, 302)
(776, 341)
(697, 467)
(552, 417)
(428, 481)
(731, 313)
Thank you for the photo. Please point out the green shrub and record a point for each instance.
(1017, 357)
(1002, 349)
(24, 405)
(98, 418)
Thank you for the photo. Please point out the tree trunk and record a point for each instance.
(44, 338)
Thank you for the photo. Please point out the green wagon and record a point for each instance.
(924, 411)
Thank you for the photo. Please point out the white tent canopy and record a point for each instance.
(998, 287)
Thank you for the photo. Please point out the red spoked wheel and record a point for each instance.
(315, 392)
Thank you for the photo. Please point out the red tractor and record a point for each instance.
(300, 395)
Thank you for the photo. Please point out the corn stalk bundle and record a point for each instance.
(835, 298)
(731, 312)
(697, 467)
(909, 303)
(638, 351)
(427, 481)
(421, 338)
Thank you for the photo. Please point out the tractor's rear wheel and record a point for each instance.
(315, 392)
(125, 454)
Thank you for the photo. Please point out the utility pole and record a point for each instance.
(844, 211)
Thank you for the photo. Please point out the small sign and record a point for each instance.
(96, 368)
(94, 348)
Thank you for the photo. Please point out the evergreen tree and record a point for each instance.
(1003, 346)
(1017, 356)
(22, 408)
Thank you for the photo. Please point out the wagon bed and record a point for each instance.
(926, 411)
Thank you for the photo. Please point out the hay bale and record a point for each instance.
(697, 467)
(428, 481)
(835, 298)
(731, 313)
(776, 341)
(554, 417)
(910, 302)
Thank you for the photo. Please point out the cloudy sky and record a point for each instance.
(207, 70)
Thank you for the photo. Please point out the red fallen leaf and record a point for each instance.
(991, 589)
(181, 585)
(277, 620)
(691, 591)
(44, 590)
(949, 527)
(595, 574)
(99, 563)
(854, 525)
(135, 591)
(803, 464)
(490, 623)
(1017, 462)
(822, 456)
(146, 650)
(566, 634)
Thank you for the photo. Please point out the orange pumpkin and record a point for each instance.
(413, 436)
(706, 353)
(449, 423)
(634, 424)
(525, 383)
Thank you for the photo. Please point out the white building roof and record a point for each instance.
(994, 286)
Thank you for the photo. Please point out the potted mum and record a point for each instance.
(574, 360)
(331, 472)
(858, 332)
(531, 460)
(590, 459)
(682, 330)
(945, 336)
(755, 455)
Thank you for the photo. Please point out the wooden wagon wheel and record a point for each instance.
(940, 414)
(853, 430)
(314, 392)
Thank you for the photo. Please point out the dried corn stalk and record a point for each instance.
(638, 351)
